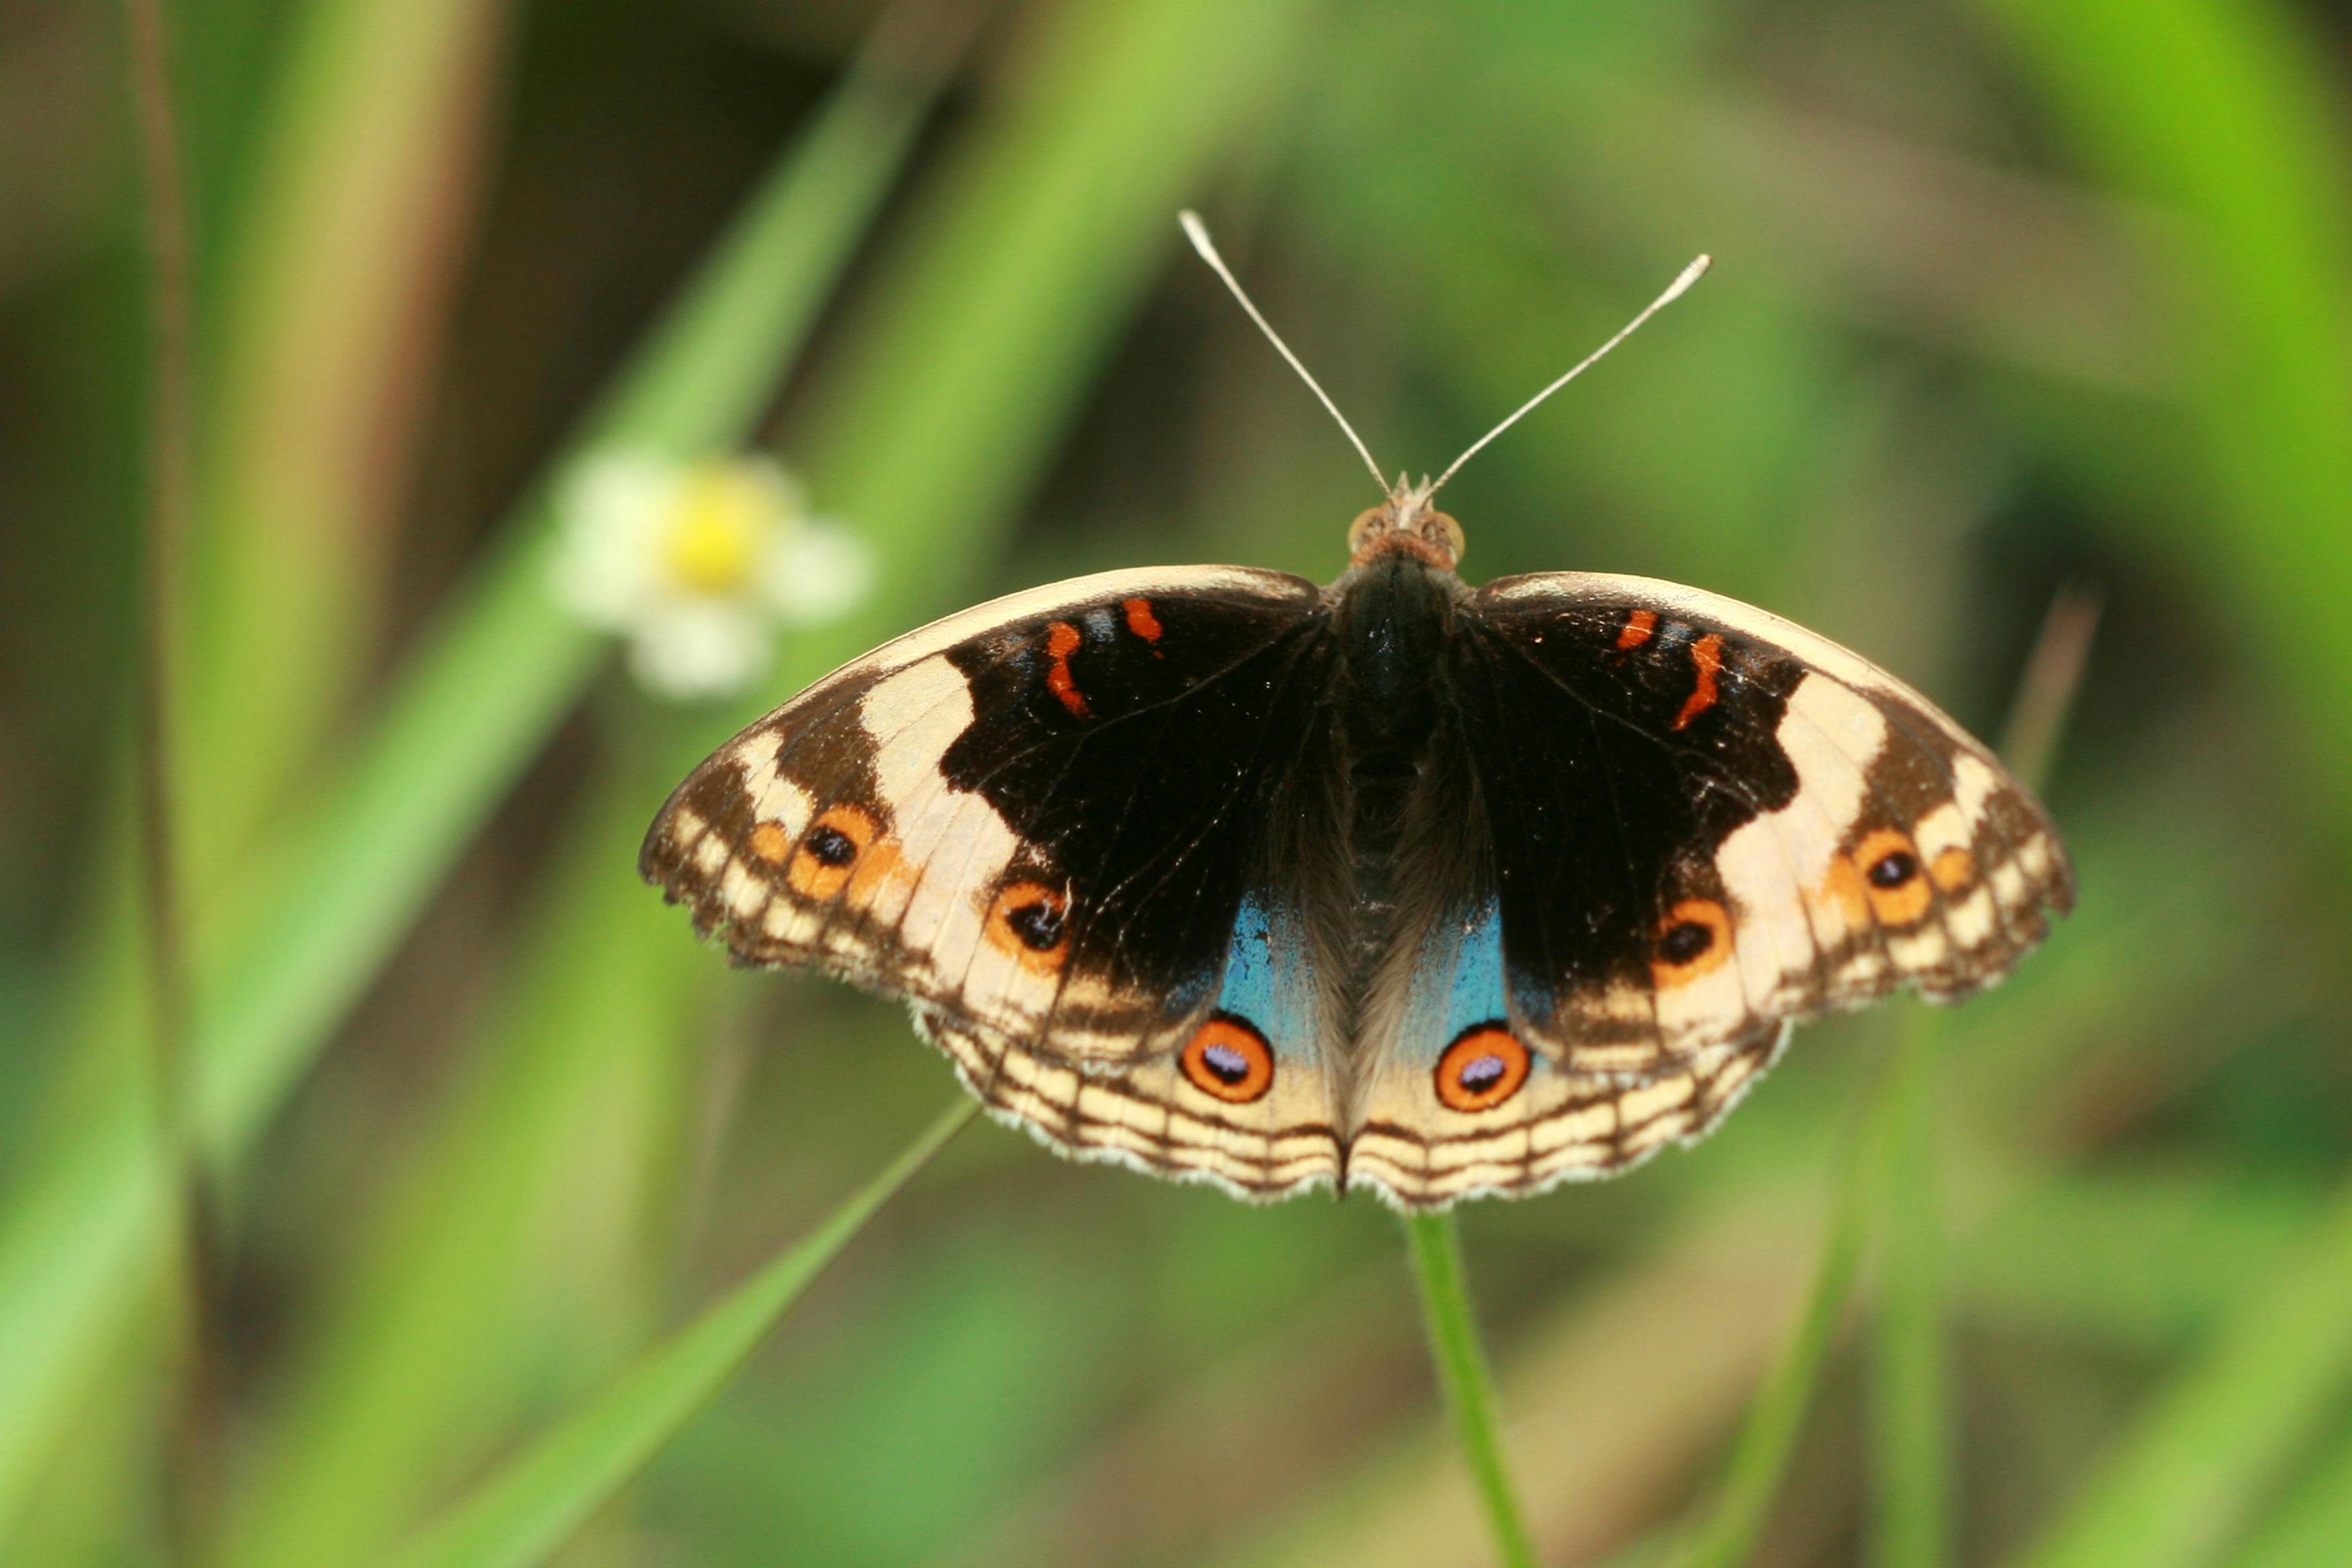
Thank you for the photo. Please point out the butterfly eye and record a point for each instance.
(1228, 1059)
(1693, 939)
(1892, 877)
(828, 851)
(1483, 1067)
(1031, 921)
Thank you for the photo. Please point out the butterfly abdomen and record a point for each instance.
(1393, 617)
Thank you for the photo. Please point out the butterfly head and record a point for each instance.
(1406, 524)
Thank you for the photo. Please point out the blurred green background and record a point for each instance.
(2009, 296)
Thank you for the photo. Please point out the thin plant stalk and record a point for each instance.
(1911, 1396)
(171, 493)
(1462, 1371)
(1870, 1168)
(1728, 1535)
(1911, 1400)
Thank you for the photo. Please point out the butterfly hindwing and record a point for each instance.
(1454, 1103)
(1036, 820)
(1250, 1100)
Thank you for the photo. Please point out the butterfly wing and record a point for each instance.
(1044, 822)
(1703, 823)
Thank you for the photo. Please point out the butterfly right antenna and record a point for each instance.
(1674, 291)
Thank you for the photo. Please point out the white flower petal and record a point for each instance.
(700, 649)
(696, 563)
(786, 499)
(817, 573)
(607, 567)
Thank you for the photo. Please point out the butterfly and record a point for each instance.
(1390, 883)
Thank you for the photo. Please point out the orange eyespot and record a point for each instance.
(1228, 1059)
(1483, 1067)
(1693, 939)
(828, 852)
(1893, 880)
(1031, 921)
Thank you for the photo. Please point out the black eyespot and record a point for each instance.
(831, 847)
(1481, 1074)
(1038, 925)
(1225, 1062)
(1685, 941)
(1894, 869)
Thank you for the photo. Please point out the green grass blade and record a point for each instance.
(474, 705)
(1912, 1403)
(508, 662)
(1436, 1250)
(2225, 114)
(478, 1285)
(1116, 117)
(1728, 1535)
(533, 1505)
(715, 360)
(2310, 1528)
(1051, 224)
(2215, 1443)
(336, 258)
(1913, 1407)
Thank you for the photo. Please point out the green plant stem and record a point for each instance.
(532, 1506)
(1768, 1441)
(191, 1437)
(1469, 1386)
(1911, 1396)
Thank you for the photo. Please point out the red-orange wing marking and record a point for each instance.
(1142, 621)
(1707, 654)
(1062, 640)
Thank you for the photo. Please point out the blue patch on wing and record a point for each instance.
(1458, 981)
(1269, 978)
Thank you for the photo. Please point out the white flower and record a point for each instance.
(698, 563)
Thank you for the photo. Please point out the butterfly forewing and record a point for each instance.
(1042, 822)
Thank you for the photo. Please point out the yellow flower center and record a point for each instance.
(718, 525)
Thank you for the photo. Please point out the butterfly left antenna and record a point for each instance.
(1674, 291)
(1198, 235)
